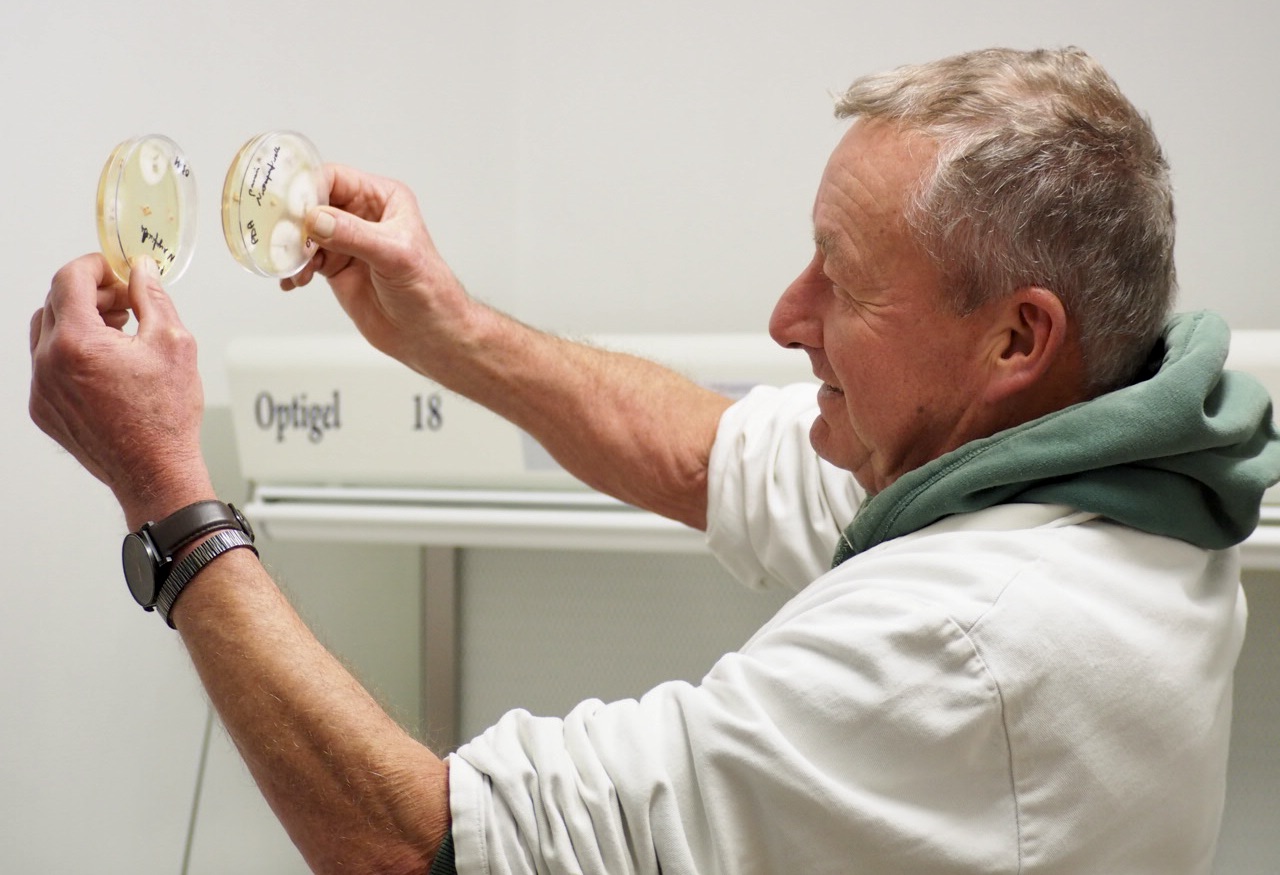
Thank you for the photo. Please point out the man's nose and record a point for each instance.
(796, 321)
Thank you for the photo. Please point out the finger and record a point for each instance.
(334, 264)
(345, 234)
(304, 276)
(147, 297)
(116, 319)
(113, 297)
(355, 191)
(76, 290)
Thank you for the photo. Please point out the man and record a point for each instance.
(1021, 659)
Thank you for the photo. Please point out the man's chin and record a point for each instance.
(832, 452)
(820, 438)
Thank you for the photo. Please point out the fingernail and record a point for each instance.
(324, 224)
(149, 268)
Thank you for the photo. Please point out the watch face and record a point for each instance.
(140, 569)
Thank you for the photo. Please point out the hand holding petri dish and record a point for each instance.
(275, 179)
(147, 206)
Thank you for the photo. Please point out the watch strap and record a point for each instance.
(191, 522)
(194, 562)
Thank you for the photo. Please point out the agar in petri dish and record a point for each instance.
(147, 206)
(275, 179)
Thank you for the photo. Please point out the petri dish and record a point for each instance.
(274, 180)
(147, 206)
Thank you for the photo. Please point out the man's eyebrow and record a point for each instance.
(826, 243)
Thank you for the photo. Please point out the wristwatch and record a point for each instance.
(147, 554)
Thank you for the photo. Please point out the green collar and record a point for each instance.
(1185, 453)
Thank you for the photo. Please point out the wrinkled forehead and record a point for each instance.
(867, 185)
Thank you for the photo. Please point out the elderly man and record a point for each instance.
(1021, 658)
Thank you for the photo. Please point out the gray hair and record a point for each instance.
(1046, 175)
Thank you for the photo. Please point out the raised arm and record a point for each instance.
(354, 791)
(625, 426)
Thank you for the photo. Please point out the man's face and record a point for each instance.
(901, 372)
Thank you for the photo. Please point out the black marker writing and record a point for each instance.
(266, 180)
(157, 245)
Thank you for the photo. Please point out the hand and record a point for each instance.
(128, 407)
(382, 265)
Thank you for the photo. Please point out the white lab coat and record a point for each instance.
(1022, 689)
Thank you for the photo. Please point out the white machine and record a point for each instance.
(332, 411)
(339, 440)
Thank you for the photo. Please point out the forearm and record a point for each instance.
(354, 791)
(626, 426)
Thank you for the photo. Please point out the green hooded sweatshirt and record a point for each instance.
(1186, 452)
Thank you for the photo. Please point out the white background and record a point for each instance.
(588, 166)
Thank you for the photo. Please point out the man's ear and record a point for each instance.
(1032, 348)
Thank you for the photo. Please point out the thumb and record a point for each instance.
(147, 298)
(341, 232)
(346, 234)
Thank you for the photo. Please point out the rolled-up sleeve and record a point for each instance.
(775, 511)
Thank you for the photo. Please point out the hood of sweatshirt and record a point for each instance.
(1186, 452)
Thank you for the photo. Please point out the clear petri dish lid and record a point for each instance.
(147, 206)
(275, 179)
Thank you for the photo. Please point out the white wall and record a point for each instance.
(591, 167)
